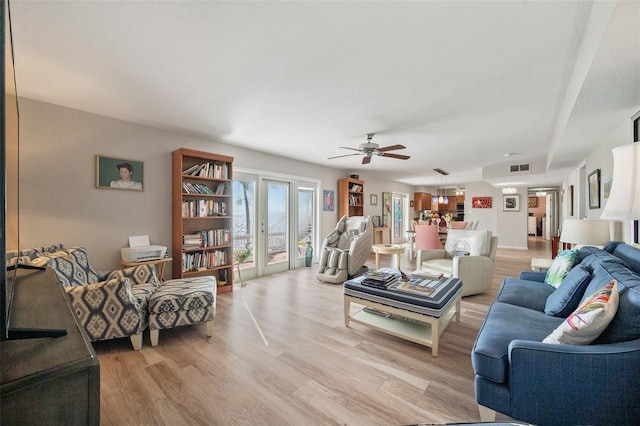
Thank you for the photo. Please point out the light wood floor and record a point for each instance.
(314, 370)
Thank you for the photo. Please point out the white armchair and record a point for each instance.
(345, 250)
(475, 269)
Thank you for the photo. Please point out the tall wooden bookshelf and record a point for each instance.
(202, 217)
(350, 197)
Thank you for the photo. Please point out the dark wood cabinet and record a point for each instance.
(421, 201)
(53, 381)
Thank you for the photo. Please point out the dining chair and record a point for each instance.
(458, 225)
(427, 237)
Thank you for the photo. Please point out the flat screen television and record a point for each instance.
(9, 142)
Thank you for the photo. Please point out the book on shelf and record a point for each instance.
(208, 170)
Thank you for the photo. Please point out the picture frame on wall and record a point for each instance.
(387, 202)
(570, 200)
(328, 200)
(511, 203)
(119, 173)
(594, 189)
(373, 199)
(533, 202)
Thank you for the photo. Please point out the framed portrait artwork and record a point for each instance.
(594, 189)
(511, 203)
(119, 173)
(328, 200)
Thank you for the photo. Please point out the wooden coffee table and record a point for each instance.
(405, 317)
(393, 249)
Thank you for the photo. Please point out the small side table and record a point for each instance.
(541, 265)
(393, 249)
(159, 264)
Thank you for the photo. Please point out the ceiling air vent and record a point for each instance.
(515, 168)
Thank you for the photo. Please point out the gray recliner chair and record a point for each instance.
(345, 250)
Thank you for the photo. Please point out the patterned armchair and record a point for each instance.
(108, 304)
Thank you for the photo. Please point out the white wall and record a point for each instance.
(59, 202)
(602, 159)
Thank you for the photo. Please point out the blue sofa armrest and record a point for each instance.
(545, 379)
(533, 276)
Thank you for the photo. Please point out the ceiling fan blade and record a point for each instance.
(391, 148)
(398, 156)
(340, 156)
(366, 160)
(348, 147)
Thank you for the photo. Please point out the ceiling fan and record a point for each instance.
(368, 149)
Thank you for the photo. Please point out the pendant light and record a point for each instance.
(435, 189)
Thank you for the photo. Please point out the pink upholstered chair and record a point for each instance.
(458, 224)
(427, 237)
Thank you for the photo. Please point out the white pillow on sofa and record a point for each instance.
(479, 241)
(587, 322)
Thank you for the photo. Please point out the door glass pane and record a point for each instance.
(305, 220)
(244, 221)
(277, 222)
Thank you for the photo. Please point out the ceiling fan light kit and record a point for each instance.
(369, 149)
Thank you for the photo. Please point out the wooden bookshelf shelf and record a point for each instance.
(202, 218)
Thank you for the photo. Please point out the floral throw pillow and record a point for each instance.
(587, 322)
(562, 264)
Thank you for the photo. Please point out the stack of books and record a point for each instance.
(379, 279)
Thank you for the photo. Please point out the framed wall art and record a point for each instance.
(119, 173)
(328, 200)
(481, 202)
(533, 202)
(594, 189)
(387, 202)
(373, 199)
(511, 203)
(570, 201)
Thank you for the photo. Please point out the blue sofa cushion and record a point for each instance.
(560, 267)
(625, 325)
(565, 299)
(626, 253)
(528, 294)
(592, 256)
(504, 323)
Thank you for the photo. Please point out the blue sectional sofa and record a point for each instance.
(541, 383)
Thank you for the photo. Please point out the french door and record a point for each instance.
(277, 216)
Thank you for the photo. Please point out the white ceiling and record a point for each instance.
(460, 84)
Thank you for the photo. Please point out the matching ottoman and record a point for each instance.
(184, 301)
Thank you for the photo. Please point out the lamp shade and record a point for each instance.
(624, 198)
(588, 232)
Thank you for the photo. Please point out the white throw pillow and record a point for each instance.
(587, 322)
(479, 242)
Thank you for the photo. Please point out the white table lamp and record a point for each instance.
(624, 198)
(586, 232)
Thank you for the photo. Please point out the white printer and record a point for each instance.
(140, 250)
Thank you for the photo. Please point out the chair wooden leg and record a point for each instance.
(136, 341)
(155, 334)
(210, 328)
(486, 414)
